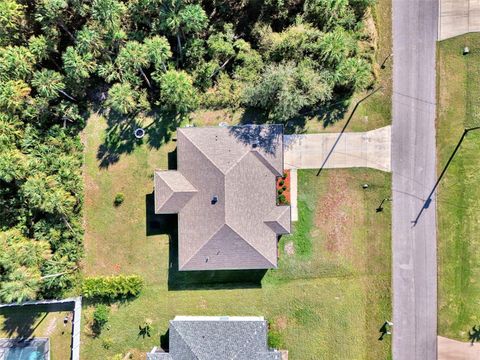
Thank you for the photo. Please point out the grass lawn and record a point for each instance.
(459, 192)
(26, 322)
(328, 298)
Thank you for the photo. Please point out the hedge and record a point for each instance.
(112, 287)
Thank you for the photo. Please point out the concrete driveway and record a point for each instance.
(449, 349)
(458, 17)
(329, 151)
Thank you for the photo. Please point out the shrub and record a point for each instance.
(107, 343)
(281, 182)
(119, 199)
(280, 191)
(100, 318)
(284, 176)
(112, 287)
(282, 199)
(274, 339)
(284, 188)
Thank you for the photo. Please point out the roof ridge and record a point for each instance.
(253, 247)
(265, 162)
(205, 243)
(184, 341)
(204, 155)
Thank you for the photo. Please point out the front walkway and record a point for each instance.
(456, 350)
(335, 150)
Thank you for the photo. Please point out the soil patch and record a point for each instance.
(334, 214)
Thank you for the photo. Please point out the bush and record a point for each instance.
(107, 343)
(274, 339)
(100, 318)
(284, 188)
(284, 176)
(282, 199)
(119, 199)
(280, 191)
(281, 182)
(112, 287)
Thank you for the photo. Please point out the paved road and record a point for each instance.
(334, 150)
(413, 167)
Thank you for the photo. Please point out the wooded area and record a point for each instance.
(60, 59)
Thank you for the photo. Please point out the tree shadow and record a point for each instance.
(119, 139)
(160, 130)
(22, 323)
(262, 137)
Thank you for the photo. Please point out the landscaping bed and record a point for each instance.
(283, 188)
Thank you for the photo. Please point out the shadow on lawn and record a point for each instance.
(120, 138)
(21, 324)
(194, 280)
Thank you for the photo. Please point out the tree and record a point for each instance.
(40, 47)
(13, 95)
(77, 66)
(20, 285)
(12, 18)
(48, 83)
(158, 51)
(125, 100)
(177, 93)
(285, 89)
(132, 58)
(16, 63)
(355, 73)
(181, 19)
(336, 46)
(328, 14)
(20, 262)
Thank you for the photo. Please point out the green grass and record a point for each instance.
(458, 207)
(325, 301)
(26, 322)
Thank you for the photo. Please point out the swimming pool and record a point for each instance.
(30, 349)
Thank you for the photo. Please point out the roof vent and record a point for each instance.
(214, 199)
(254, 145)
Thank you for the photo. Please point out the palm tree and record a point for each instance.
(122, 98)
(20, 285)
(49, 84)
(158, 50)
(133, 57)
(13, 94)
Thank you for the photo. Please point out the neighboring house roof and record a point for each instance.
(217, 338)
(224, 191)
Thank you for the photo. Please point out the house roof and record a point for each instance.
(224, 191)
(218, 338)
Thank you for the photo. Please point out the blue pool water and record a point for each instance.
(25, 353)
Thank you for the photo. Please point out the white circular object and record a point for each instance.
(139, 133)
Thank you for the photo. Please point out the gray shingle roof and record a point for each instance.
(238, 166)
(219, 338)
